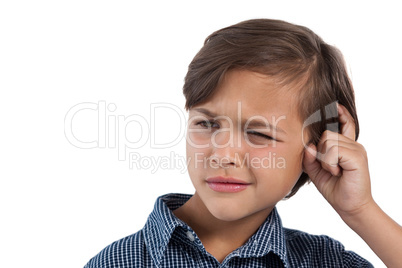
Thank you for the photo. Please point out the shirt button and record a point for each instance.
(190, 236)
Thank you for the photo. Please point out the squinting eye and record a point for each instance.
(260, 135)
(206, 123)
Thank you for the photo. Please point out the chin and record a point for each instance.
(230, 212)
(227, 215)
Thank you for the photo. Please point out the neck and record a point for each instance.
(219, 237)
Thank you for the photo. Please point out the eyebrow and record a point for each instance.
(254, 123)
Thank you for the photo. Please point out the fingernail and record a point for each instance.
(339, 107)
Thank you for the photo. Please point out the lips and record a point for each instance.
(227, 185)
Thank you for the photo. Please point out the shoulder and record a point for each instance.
(315, 250)
(302, 240)
(129, 251)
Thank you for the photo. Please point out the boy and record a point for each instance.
(256, 93)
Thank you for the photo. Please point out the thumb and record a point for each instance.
(310, 164)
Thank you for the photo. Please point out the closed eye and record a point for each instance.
(210, 124)
(260, 135)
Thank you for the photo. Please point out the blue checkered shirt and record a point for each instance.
(166, 241)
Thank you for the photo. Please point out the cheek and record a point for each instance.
(196, 144)
(272, 159)
(196, 158)
(294, 158)
(198, 139)
(277, 167)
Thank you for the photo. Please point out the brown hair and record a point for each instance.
(292, 54)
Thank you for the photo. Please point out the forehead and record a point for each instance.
(255, 94)
(246, 96)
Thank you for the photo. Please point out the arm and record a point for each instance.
(380, 232)
(338, 166)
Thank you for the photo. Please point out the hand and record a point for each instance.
(338, 167)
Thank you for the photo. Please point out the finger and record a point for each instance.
(330, 135)
(342, 157)
(330, 140)
(336, 140)
(311, 165)
(330, 161)
(348, 127)
(328, 144)
(327, 136)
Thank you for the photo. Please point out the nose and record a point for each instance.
(227, 149)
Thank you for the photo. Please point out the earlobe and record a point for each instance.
(303, 156)
(303, 159)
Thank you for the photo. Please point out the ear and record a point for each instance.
(347, 125)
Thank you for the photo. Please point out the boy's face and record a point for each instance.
(228, 146)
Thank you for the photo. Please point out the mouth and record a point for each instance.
(227, 185)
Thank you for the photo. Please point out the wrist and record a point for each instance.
(379, 231)
(362, 215)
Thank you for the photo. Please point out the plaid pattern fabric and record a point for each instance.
(166, 241)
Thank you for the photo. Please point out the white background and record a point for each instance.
(60, 205)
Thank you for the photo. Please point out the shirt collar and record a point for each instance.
(162, 222)
(269, 237)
